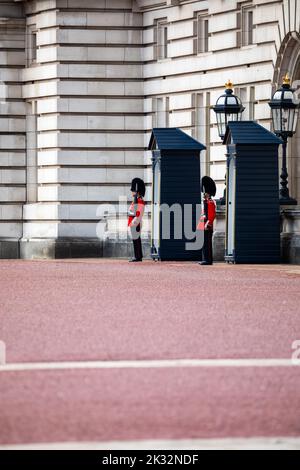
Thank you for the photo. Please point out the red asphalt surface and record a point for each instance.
(81, 310)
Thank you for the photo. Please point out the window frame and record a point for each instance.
(247, 26)
(202, 33)
(31, 45)
(161, 105)
(161, 39)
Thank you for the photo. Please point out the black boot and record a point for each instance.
(137, 245)
(207, 251)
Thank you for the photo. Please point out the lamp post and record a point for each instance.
(284, 115)
(228, 108)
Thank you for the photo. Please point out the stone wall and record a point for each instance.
(87, 85)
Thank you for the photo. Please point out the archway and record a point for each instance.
(288, 61)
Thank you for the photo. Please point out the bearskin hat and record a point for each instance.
(138, 185)
(208, 186)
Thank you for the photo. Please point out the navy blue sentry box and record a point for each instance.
(176, 180)
(252, 203)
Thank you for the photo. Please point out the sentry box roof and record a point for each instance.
(249, 133)
(173, 138)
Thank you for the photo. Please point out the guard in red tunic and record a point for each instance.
(206, 222)
(135, 217)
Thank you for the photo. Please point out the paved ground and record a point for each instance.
(94, 350)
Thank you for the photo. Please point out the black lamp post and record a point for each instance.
(228, 108)
(284, 115)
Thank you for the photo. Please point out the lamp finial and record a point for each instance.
(286, 79)
(229, 85)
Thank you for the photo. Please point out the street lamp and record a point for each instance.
(285, 116)
(228, 108)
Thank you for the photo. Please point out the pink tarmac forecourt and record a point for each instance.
(110, 312)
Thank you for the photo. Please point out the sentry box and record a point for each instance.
(176, 196)
(252, 202)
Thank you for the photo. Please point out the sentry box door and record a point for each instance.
(176, 195)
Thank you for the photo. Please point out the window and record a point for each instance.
(199, 118)
(31, 45)
(201, 126)
(161, 112)
(245, 25)
(161, 39)
(202, 34)
(252, 103)
(31, 152)
(247, 96)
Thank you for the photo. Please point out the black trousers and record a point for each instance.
(137, 242)
(207, 251)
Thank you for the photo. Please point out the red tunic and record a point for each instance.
(139, 212)
(208, 214)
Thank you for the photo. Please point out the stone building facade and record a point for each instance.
(83, 83)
